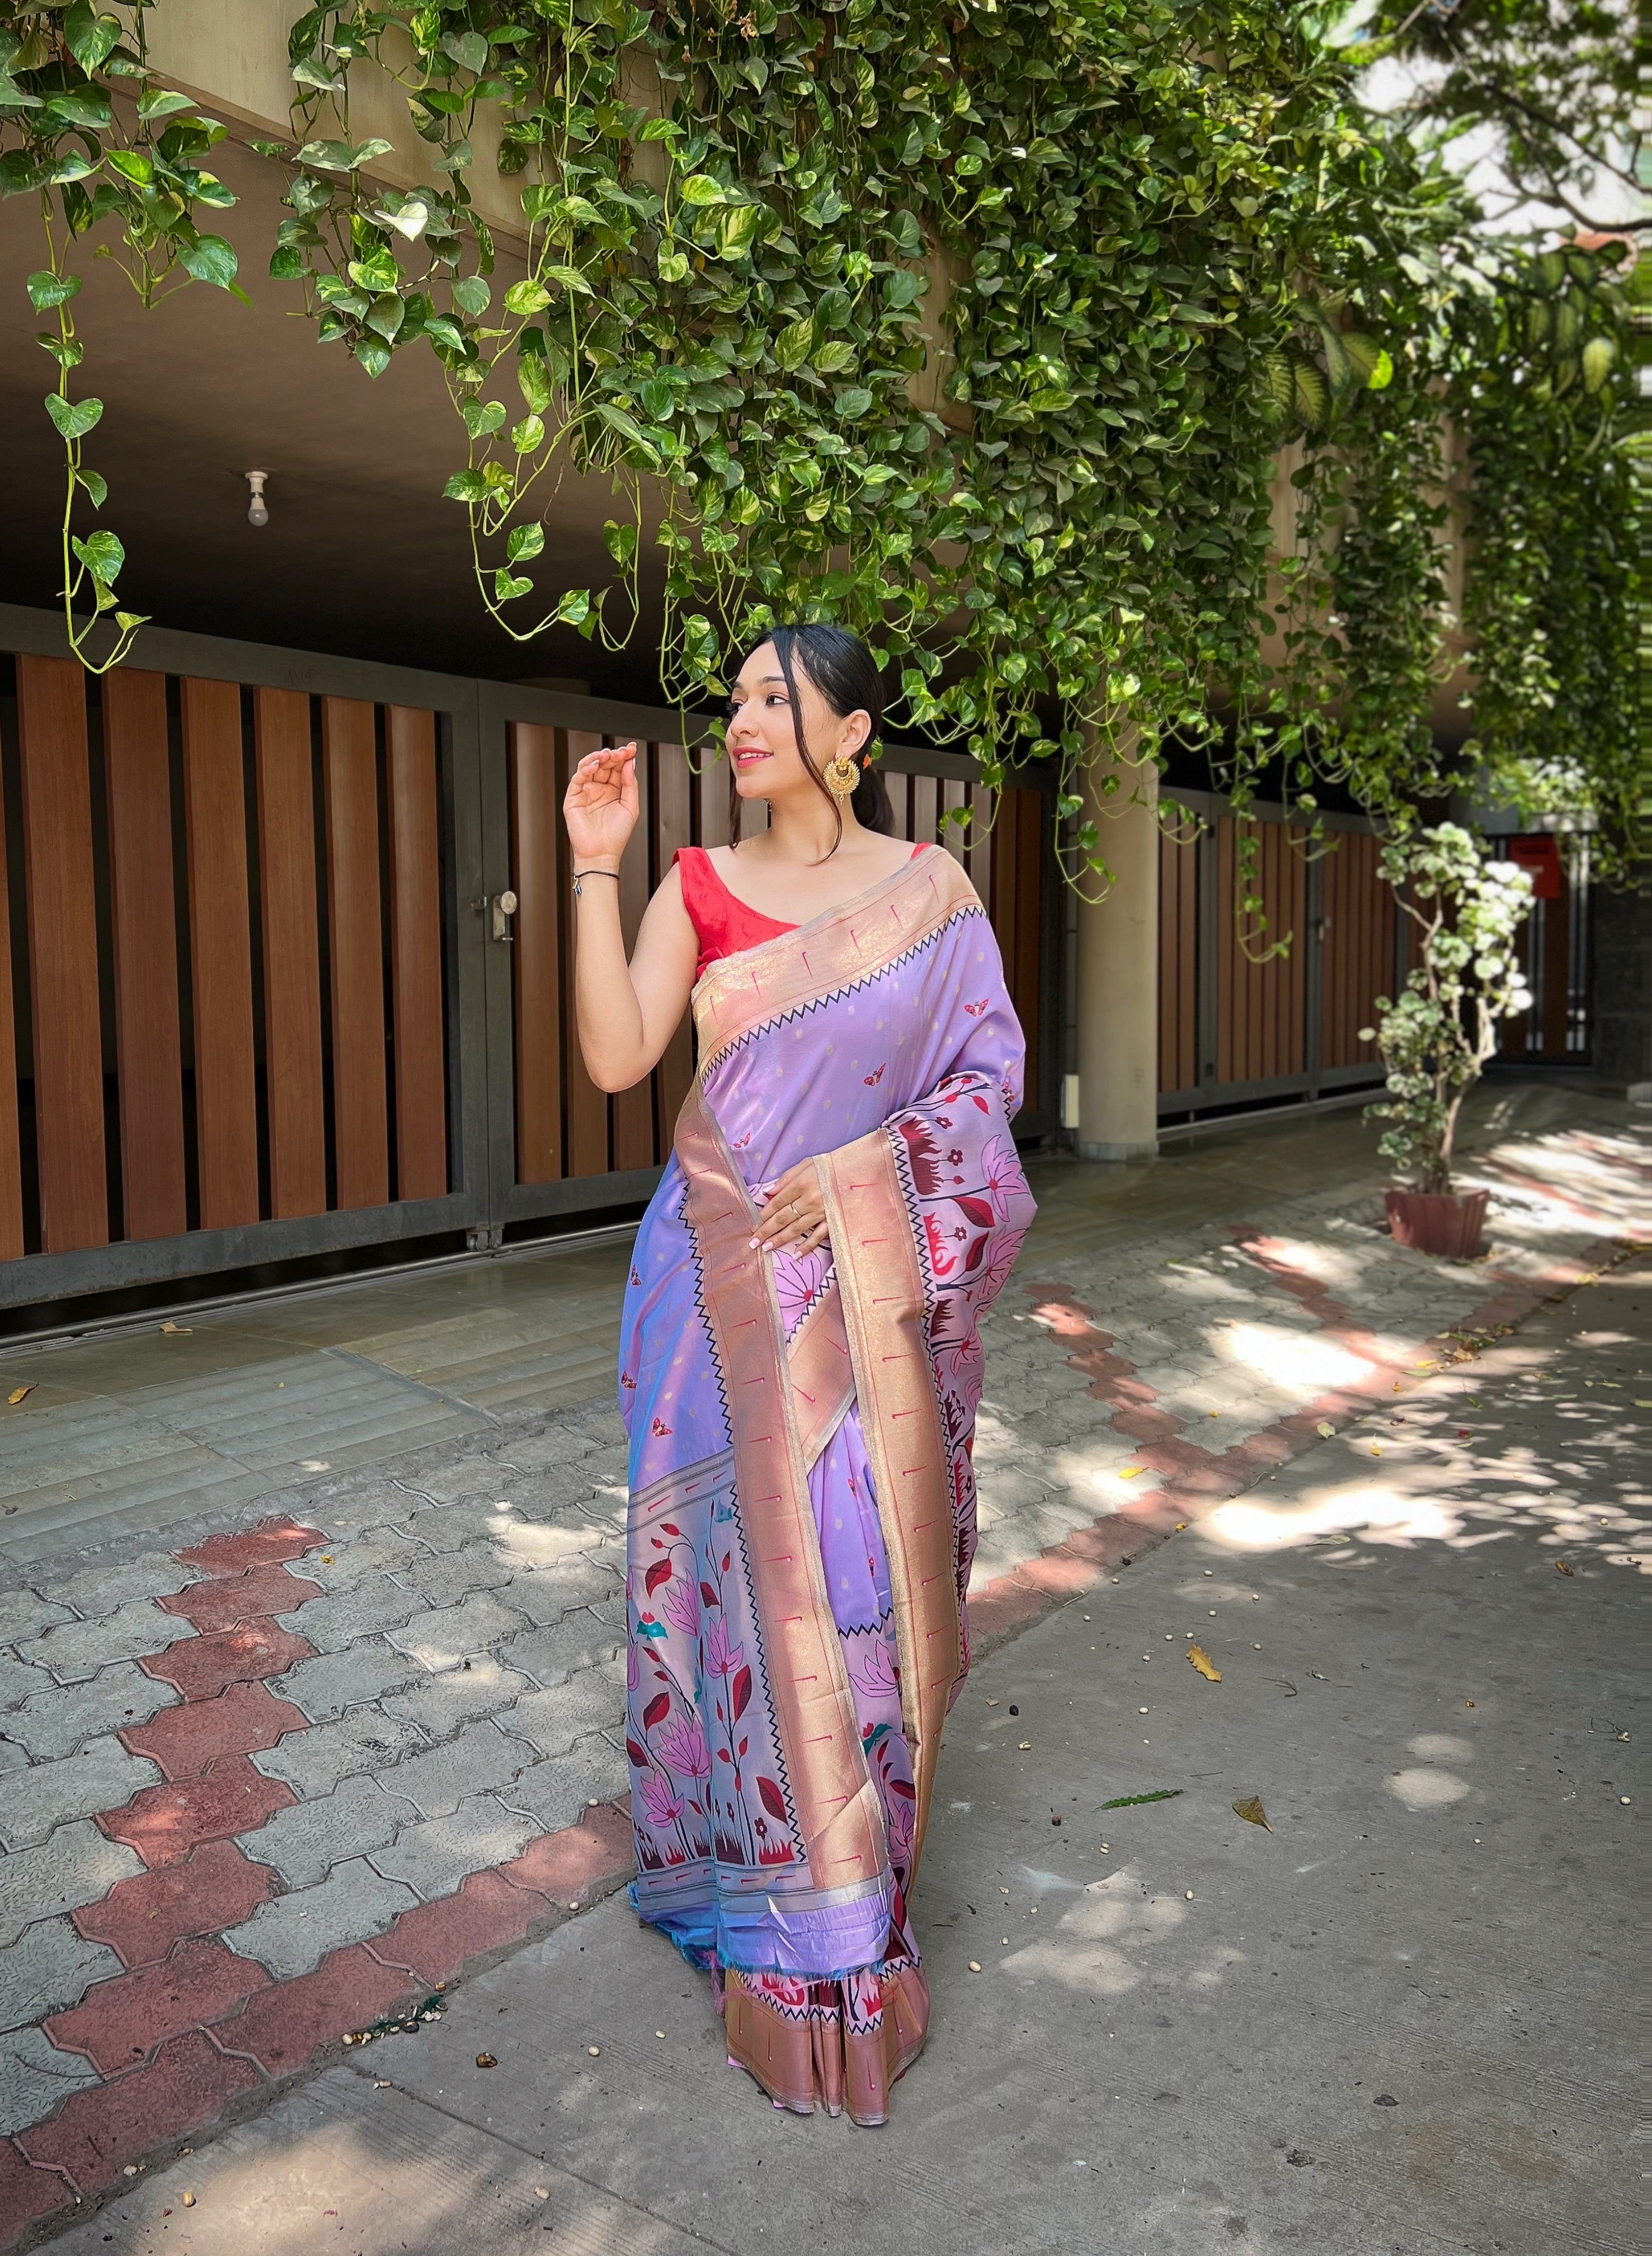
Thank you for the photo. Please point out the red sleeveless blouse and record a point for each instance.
(723, 924)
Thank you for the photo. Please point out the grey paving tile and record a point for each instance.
(551, 1721)
(341, 1564)
(78, 1865)
(35, 2077)
(325, 1685)
(546, 1594)
(292, 1934)
(47, 1968)
(438, 1781)
(103, 1776)
(578, 1639)
(75, 1650)
(435, 1855)
(449, 1634)
(556, 1447)
(25, 1614)
(444, 1577)
(19, 1679)
(313, 1762)
(303, 1843)
(557, 1792)
(363, 1608)
(98, 1591)
(441, 1704)
(55, 1723)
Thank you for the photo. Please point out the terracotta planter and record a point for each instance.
(1451, 1224)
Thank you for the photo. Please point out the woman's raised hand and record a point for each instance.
(600, 805)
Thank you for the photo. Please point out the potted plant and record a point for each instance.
(1435, 1039)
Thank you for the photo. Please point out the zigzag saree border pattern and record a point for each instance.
(714, 1058)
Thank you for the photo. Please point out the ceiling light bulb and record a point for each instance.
(259, 513)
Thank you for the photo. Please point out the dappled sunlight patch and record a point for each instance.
(1095, 1943)
(1427, 1789)
(1378, 1514)
(1298, 1362)
(1440, 1746)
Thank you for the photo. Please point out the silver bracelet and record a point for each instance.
(579, 874)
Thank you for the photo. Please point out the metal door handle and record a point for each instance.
(504, 907)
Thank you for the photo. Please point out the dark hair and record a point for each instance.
(844, 671)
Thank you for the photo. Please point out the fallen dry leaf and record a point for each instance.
(1561, 1568)
(1203, 1662)
(1130, 1471)
(486, 2060)
(1325, 1429)
(21, 1394)
(1252, 1812)
(178, 1331)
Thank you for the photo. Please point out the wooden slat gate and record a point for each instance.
(1235, 1031)
(263, 999)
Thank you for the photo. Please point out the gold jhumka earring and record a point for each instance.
(842, 775)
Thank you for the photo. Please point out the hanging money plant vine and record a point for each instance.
(976, 324)
(114, 162)
(965, 324)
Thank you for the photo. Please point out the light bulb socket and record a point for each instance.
(258, 514)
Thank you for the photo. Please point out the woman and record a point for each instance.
(801, 1364)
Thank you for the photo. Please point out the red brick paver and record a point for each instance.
(165, 1822)
(434, 1940)
(102, 2129)
(26, 2194)
(285, 2024)
(562, 1865)
(216, 1887)
(231, 1598)
(201, 1667)
(123, 2019)
(188, 1741)
(271, 1540)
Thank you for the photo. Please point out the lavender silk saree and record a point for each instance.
(803, 1507)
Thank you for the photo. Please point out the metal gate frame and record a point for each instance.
(473, 718)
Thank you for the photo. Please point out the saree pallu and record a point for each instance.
(802, 1502)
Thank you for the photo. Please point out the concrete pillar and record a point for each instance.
(1118, 975)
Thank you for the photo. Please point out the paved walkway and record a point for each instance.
(331, 1741)
(1395, 2021)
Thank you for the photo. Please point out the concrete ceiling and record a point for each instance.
(362, 555)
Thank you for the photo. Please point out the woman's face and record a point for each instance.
(763, 743)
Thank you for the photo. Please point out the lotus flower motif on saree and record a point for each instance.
(803, 1506)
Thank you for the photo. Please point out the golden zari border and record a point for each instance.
(828, 954)
(881, 1288)
(808, 2060)
(822, 1375)
(832, 1794)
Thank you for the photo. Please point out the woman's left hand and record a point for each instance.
(794, 1220)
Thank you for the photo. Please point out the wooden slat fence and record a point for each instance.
(262, 995)
(231, 927)
(1238, 1025)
